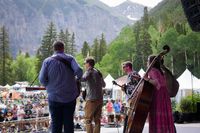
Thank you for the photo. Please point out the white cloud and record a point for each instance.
(149, 3)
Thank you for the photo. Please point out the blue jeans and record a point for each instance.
(62, 114)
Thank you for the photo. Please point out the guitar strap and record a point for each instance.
(68, 64)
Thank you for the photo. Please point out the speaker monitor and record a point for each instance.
(192, 12)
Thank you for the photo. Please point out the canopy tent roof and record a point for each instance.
(141, 72)
(121, 80)
(108, 80)
(188, 81)
(7, 86)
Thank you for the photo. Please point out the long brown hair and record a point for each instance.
(157, 64)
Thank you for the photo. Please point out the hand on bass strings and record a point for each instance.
(146, 78)
(123, 87)
(152, 81)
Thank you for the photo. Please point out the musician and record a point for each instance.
(94, 96)
(59, 80)
(132, 79)
(160, 115)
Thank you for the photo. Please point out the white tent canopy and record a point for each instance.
(7, 86)
(188, 81)
(141, 72)
(110, 87)
(108, 80)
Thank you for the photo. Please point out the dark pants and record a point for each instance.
(125, 123)
(62, 114)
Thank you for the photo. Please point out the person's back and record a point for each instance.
(94, 85)
(61, 85)
(58, 76)
(116, 107)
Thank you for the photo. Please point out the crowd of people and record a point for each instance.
(29, 107)
(36, 106)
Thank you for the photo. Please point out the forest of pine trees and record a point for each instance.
(25, 67)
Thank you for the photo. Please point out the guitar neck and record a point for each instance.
(117, 84)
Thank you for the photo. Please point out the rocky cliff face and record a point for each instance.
(27, 20)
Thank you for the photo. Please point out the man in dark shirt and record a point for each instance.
(94, 96)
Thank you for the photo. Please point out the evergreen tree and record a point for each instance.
(180, 28)
(27, 55)
(38, 61)
(102, 47)
(5, 57)
(95, 50)
(146, 19)
(85, 49)
(138, 53)
(61, 36)
(145, 42)
(73, 45)
(67, 41)
(46, 48)
(145, 39)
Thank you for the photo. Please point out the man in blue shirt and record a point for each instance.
(59, 80)
(117, 109)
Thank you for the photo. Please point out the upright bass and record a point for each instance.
(141, 99)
